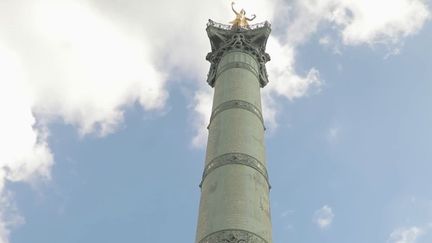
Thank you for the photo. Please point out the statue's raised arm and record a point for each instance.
(232, 7)
(250, 19)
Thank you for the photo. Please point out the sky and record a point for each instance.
(104, 107)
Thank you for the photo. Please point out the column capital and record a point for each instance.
(226, 38)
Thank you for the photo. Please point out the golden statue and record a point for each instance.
(241, 20)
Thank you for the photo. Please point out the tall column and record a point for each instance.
(234, 206)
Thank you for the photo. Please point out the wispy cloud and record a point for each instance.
(286, 213)
(323, 217)
(333, 135)
(406, 235)
(203, 101)
(9, 216)
(358, 22)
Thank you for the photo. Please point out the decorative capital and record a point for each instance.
(251, 39)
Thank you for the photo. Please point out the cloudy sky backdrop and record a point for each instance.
(104, 105)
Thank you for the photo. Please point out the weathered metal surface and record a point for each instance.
(230, 27)
(237, 104)
(233, 236)
(235, 158)
(252, 41)
(234, 205)
(243, 65)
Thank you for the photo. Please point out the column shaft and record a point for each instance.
(234, 204)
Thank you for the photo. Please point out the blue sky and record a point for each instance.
(104, 107)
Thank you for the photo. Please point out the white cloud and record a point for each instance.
(203, 101)
(24, 151)
(326, 40)
(284, 79)
(59, 60)
(9, 216)
(96, 68)
(323, 217)
(24, 154)
(333, 134)
(380, 21)
(358, 22)
(406, 235)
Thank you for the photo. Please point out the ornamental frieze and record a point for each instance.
(233, 236)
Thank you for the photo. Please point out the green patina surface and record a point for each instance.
(234, 203)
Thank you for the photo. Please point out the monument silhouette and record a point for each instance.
(234, 205)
